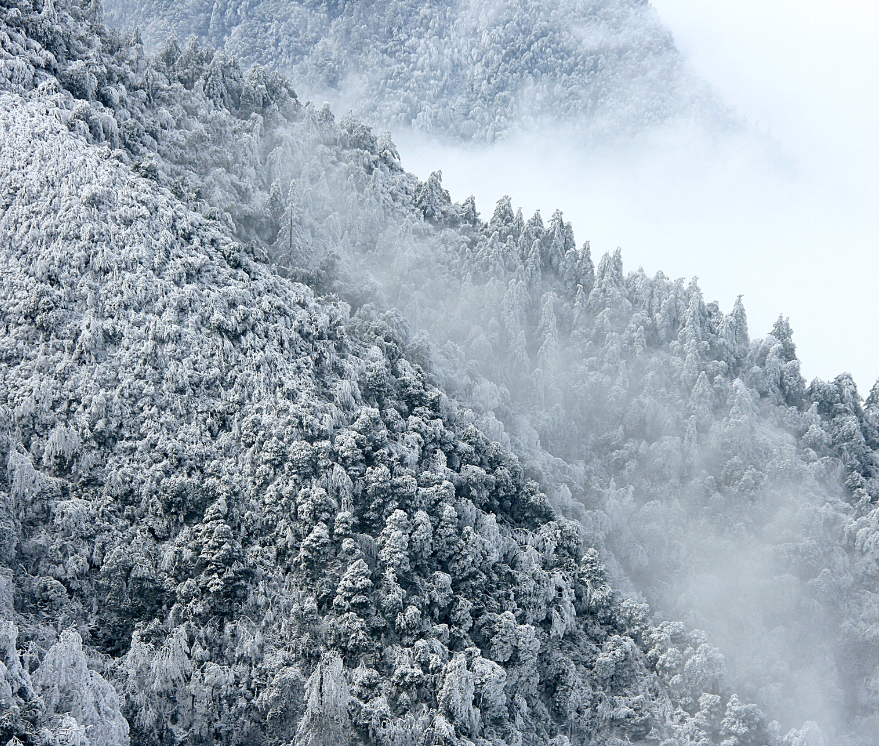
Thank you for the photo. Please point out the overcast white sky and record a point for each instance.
(808, 73)
(789, 219)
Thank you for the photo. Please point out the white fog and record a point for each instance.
(785, 214)
(297, 449)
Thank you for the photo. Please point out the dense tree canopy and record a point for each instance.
(293, 445)
(453, 68)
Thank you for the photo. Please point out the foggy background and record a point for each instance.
(784, 213)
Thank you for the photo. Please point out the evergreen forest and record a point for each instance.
(295, 450)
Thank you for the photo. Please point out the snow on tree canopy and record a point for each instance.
(198, 430)
(225, 480)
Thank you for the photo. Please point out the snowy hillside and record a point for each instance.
(455, 68)
(248, 514)
(288, 438)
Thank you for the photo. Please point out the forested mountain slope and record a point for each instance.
(233, 512)
(223, 491)
(730, 493)
(222, 481)
(455, 68)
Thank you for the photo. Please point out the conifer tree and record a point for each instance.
(326, 721)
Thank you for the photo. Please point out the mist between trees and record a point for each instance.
(379, 487)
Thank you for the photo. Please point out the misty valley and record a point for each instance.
(297, 450)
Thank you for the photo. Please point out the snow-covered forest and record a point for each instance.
(456, 69)
(296, 450)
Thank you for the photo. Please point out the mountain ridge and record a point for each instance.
(151, 487)
(207, 138)
(458, 70)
